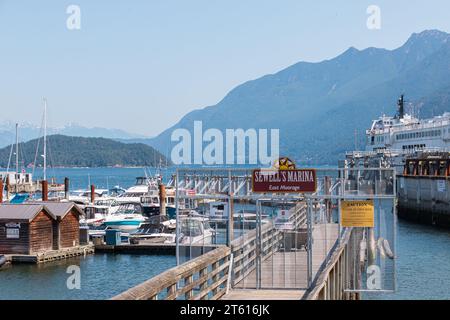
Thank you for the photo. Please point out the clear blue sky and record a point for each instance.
(141, 65)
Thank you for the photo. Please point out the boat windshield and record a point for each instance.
(150, 200)
(106, 203)
(128, 208)
(192, 228)
(148, 229)
(141, 181)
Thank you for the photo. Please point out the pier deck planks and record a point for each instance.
(287, 270)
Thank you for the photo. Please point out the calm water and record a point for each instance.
(102, 277)
(422, 265)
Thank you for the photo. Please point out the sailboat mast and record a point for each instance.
(17, 148)
(45, 139)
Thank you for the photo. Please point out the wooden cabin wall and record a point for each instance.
(41, 233)
(70, 230)
(14, 246)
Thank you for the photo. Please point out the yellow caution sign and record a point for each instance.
(357, 214)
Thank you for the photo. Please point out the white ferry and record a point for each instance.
(405, 133)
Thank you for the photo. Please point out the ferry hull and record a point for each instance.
(424, 199)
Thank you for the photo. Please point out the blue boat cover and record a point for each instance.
(19, 198)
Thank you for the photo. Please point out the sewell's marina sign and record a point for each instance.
(284, 178)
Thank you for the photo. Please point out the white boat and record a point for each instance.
(109, 202)
(151, 203)
(83, 196)
(158, 229)
(195, 229)
(127, 218)
(144, 186)
(95, 215)
(405, 133)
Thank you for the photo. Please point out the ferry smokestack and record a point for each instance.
(92, 193)
(66, 188)
(44, 190)
(162, 199)
(401, 107)
(7, 187)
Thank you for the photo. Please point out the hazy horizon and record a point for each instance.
(140, 67)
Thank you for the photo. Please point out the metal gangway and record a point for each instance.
(278, 245)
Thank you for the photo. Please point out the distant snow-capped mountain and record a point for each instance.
(29, 131)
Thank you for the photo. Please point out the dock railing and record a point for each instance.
(203, 278)
(244, 248)
(338, 272)
(208, 276)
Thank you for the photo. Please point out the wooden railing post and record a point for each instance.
(167, 282)
(187, 281)
(215, 265)
(204, 284)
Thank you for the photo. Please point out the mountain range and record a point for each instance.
(28, 131)
(322, 109)
(318, 107)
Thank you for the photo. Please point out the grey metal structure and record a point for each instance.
(272, 257)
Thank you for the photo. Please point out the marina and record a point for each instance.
(237, 233)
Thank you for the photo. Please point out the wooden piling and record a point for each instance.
(66, 188)
(162, 199)
(44, 190)
(92, 193)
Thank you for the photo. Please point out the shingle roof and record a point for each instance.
(21, 211)
(27, 211)
(59, 209)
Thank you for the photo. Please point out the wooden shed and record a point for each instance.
(66, 226)
(36, 227)
(25, 229)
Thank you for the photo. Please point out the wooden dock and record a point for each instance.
(50, 256)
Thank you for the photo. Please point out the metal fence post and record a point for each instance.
(177, 228)
(310, 241)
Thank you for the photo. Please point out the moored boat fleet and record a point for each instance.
(143, 213)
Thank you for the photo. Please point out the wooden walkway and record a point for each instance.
(284, 275)
(264, 295)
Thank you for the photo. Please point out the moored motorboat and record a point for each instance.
(128, 217)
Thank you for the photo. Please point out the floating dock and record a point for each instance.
(50, 256)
